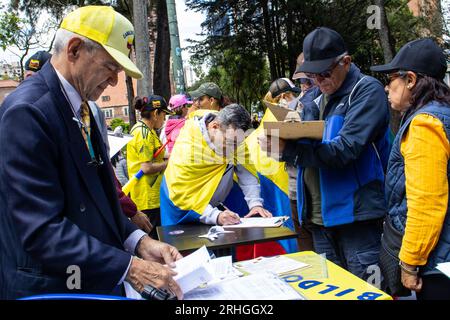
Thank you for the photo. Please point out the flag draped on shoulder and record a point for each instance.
(274, 182)
(192, 176)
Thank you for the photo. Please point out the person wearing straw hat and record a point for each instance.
(61, 226)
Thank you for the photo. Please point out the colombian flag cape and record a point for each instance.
(274, 182)
(192, 176)
(194, 171)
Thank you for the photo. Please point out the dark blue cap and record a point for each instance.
(421, 56)
(321, 47)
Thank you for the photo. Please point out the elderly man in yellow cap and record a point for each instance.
(61, 226)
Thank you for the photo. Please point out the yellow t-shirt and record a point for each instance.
(426, 151)
(140, 149)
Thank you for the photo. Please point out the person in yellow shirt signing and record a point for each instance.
(417, 182)
(141, 156)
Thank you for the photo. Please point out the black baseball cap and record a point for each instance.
(282, 85)
(155, 102)
(420, 56)
(37, 61)
(321, 47)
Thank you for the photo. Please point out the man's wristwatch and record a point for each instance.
(408, 270)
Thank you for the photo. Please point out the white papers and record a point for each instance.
(277, 264)
(444, 268)
(259, 222)
(201, 277)
(261, 286)
(131, 293)
(117, 143)
(222, 269)
(192, 270)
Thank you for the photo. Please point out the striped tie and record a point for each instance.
(86, 119)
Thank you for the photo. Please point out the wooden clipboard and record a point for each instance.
(291, 130)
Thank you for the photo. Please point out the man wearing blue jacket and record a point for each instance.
(340, 186)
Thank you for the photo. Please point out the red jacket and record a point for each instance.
(127, 205)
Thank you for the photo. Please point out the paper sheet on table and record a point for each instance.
(192, 270)
(117, 143)
(259, 222)
(444, 268)
(261, 286)
(277, 264)
(222, 269)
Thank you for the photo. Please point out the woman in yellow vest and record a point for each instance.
(141, 156)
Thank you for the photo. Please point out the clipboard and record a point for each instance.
(291, 130)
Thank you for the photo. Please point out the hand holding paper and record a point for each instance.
(143, 273)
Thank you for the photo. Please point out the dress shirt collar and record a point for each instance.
(72, 94)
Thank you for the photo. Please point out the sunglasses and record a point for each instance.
(392, 76)
(327, 73)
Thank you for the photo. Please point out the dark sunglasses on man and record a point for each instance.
(327, 73)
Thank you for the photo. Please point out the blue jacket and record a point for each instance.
(352, 156)
(56, 210)
(396, 190)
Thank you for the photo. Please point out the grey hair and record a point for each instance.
(63, 36)
(236, 116)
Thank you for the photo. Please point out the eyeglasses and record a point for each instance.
(399, 74)
(329, 72)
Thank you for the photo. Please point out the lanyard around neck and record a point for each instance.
(82, 126)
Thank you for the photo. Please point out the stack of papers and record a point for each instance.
(260, 286)
(259, 222)
(222, 269)
(201, 277)
(197, 269)
(278, 265)
(193, 270)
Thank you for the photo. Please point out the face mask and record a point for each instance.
(283, 103)
(293, 104)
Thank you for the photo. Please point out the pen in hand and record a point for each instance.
(233, 218)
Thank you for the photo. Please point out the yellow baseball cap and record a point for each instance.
(109, 28)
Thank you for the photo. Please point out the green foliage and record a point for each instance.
(242, 75)
(119, 122)
(9, 28)
(272, 31)
(59, 8)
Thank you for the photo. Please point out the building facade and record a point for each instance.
(6, 87)
(114, 100)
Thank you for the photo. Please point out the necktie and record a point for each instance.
(86, 129)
